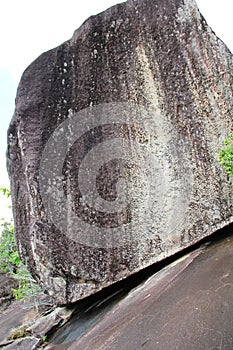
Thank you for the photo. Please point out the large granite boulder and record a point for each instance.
(113, 147)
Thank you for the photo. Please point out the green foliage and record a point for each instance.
(5, 191)
(27, 285)
(11, 263)
(226, 155)
(7, 247)
(44, 338)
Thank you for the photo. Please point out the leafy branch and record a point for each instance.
(10, 261)
(226, 155)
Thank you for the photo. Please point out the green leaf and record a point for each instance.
(5, 191)
(225, 155)
(11, 263)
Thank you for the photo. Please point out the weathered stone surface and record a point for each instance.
(7, 283)
(187, 305)
(24, 343)
(44, 324)
(150, 83)
(21, 315)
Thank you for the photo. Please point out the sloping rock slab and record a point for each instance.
(113, 147)
(21, 314)
(27, 343)
(46, 323)
(188, 305)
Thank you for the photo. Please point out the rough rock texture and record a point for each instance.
(21, 315)
(187, 305)
(7, 284)
(151, 75)
(31, 343)
(54, 319)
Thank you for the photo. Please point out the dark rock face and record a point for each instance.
(24, 343)
(113, 146)
(6, 294)
(187, 305)
(18, 319)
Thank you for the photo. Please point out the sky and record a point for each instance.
(28, 28)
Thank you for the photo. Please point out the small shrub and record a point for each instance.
(27, 285)
(226, 155)
(11, 263)
(44, 338)
(7, 247)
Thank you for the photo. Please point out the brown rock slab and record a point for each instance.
(55, 318)
(113, 147)
(23, 344)
(21, 315)
(187, 305)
